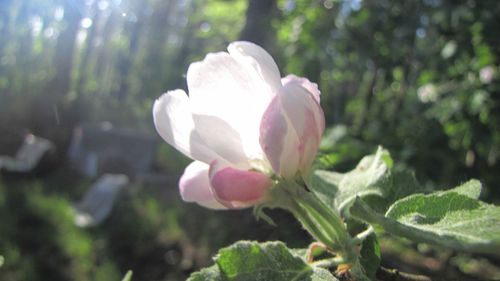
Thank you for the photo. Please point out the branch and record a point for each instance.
(384, 274)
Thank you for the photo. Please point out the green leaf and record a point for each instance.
(366, 266)
(369, 257)
(246, 260)
(372, 180)
(301, 253)
(338, 190)
(128, 276)
(358, 273)
(453, 218)
(2, 260)
(471, 189)
(211, 273)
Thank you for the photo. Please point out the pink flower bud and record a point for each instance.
(195, 186)
(292, 127)
(236, 188)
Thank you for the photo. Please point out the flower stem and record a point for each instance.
(331, 262)
(310, 224)
(323, 223)
(326, 216)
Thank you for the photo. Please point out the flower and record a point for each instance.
(486, 74)
(241, 124)
(428, 93)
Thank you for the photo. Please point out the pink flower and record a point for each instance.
(241, 124)
(486, 74)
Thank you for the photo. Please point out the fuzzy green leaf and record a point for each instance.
(266, 261)
(372, 179)
(338, 190)
(370, 255)
(211, 273)
(452, 218)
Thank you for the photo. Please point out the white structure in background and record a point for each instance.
(97, 149)
(113, 157)
(97, 203)
(28, 156)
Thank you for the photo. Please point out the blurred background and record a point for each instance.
(420, 77)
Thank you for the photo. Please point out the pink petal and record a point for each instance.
(312, 88)
(307, 118)
(194, 186)
(291, 130)
(309, 141)
(279, 140)
(238, 188)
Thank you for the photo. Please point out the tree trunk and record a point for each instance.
(5, 16)
(65, 47)
(258, 27)
(89, 46)
(126, 62)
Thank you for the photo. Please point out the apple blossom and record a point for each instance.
(486, 74)
(242, 124)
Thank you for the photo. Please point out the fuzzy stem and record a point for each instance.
(323, 223)
(310, 223)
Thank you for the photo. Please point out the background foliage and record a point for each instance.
(419, 77)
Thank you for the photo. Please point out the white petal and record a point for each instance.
(228, 90)
(256, 57)
(221, 137)
(174, 123)
(296, 99)
(194, 186)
